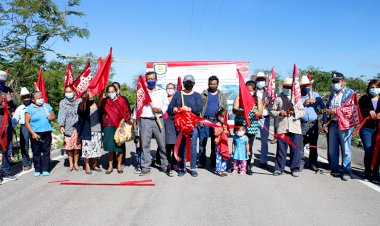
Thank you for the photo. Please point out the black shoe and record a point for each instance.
(9, 177)
(169, 173)
(144, 172)
(263, 166)
(193, 173)
(249, 171)
(314, 168)
(335, 174)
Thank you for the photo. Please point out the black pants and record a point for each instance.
(311, 138)
(169, 154)
(24, 145)
(41, 152)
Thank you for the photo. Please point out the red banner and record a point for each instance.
(40, 85)
(69, 77)
(142, 96)
(272, 86)
(4, 127)
(100, 80)
(296, 90)
(246, 100)
(349, 114)
(81, 84)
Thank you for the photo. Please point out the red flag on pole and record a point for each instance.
(246, 100)
(309, 76)
(349, 113)
(272, 86)
(69, 77)
(142, 96)
(100, 80)
(296, 90)
(41, 85)
(81, 84)
(179, 84)
(4, 128)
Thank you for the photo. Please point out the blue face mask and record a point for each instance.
(374, 91)
(40, 101)
(69, 96)
(151, 84)
(286, 91)
(305, 90)
(111, 95)
(2, 85)
(336, 86)
(260, 84)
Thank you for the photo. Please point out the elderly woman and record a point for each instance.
(38, 117)
(68, 108)
(89, 129)
(115, 112)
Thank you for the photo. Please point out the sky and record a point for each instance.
(342, 35)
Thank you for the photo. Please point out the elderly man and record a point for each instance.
(336, 137)
(289, 126)
(309, 122)
(149, 127)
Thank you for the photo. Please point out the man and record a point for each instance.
(7, 93)
(309, 122)
(337, 137)
(261, 82)
(19, 118)
(213, 100)
(149, 127)
(289, 126)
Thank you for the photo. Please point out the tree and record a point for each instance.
(29, 29)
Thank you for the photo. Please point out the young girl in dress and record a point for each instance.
(240, 151)
(221, 163)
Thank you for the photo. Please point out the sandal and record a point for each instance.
(88, 172)
(97, 169)
(109, 171)
(219, 174)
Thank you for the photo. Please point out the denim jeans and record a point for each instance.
(343, 139)
(368, 135)
(295, 153)
(204, 133)
(193, 150)
(264, 134)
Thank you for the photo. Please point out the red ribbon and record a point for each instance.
(361, 125)
(122, 183)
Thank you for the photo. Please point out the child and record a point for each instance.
(240, 151)
(221, 163)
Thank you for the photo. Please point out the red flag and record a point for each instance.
(4, 127)
(272, 86)
(296, 90)
(81, 84)
(309, 76)
(100, 80)
(349, 114)
(69, 77)
(223, 142)
(142, 96)
(41, 85)
(246, 100)
(179, 84)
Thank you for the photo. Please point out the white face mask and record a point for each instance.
(240, 133)
(170, 92)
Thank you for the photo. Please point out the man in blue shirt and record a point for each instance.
(309, 123)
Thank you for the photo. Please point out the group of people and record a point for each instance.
(89, 125)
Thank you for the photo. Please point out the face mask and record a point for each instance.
(260, 84)
(69, 96)
(2, 84)
(170, 92)
(40, 101)
(26, 102)
(188, 86)
(151, 84)
(286, 91)
(111, 95)
(212, 88)
(305, 90)
(336, 86)
(240, 133)
(374, 91)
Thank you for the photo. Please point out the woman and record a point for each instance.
(90, 132)
(170, 130)
(38, 117)
(115, 112)
(68, 108)
(253, 128)
(370, 106)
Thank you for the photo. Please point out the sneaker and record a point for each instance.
(263, 166)
(181, 173)
(335, 174)
(45, 173)
(277, 173)
(295, 173)
(9, 177)
(136, 170)
(169, 173)
(193, 173)
(346, 177)
(314, 168)
(37, 174)
(144, 172)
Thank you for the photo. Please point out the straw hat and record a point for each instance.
(24, 91)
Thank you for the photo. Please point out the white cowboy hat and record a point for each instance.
(288, 82)
(24, 91)
(305, 80)
(3, 76)
(260, 74)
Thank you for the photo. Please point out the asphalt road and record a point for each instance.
(260, 199)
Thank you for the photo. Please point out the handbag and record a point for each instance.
(124, 133)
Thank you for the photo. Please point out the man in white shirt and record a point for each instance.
(149, 127)
(19, 118)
